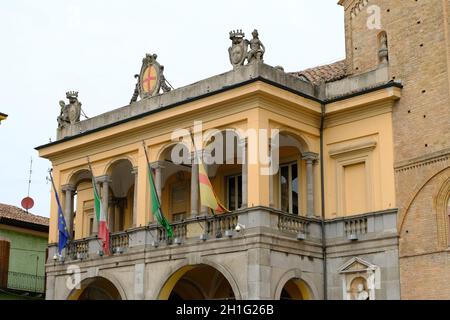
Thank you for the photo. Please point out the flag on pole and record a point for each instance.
(100, 214)
(156, 204)
(208, 197)
(63, 233)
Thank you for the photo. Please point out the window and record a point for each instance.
(234, 192)
(91, 226)
(289, 192)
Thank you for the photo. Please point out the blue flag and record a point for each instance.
(63, 234)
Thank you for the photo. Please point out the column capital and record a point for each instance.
(135, 170)
(104, 178)
(311, 156)
(157, 165)
(68, 187)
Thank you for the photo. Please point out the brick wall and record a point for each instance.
(418, 41)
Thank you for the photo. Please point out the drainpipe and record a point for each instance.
(322, 193)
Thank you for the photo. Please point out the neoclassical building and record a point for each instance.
(356, 208)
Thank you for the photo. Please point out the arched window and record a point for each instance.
(448, 220)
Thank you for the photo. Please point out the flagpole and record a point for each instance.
(59, 209)
(168, 228)
(92, 173)
(200, 162)
(150, 170)
(54, 188)
(105, 241)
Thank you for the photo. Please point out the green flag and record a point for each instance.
(156, 206)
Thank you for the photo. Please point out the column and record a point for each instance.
(158, 178)
(271, 197)
(243, 143)
(135, 172)
(69, 191)
(310, 158)
(95, 224)
(194, 186)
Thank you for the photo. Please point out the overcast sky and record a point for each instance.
(95, 47)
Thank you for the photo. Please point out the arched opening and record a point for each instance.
(121, 195)
(289, 184)
(224, 159)
(296, 289)
(172, 176)
(80, 186)
(97, 288)
(200, 282)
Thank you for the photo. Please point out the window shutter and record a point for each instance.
(4, 263)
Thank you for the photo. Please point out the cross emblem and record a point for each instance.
(149, 79)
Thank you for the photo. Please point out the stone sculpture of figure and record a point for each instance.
(136, 90)
(162, 80)
(362, 294)
(71, 112)
(257, 48)
(383, 52)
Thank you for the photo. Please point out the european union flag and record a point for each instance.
(62, 227)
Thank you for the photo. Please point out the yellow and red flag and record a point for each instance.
(208, 197)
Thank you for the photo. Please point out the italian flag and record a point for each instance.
(103, 232)
(208, 197)
(156, 206)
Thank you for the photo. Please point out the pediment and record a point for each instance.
(357, 265)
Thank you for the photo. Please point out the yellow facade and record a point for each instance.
(357, 147)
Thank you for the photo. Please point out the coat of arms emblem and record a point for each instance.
(149, 78)
(238, 49)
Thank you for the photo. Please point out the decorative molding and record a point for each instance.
(345, 148)
(358, 7)
(430, 159)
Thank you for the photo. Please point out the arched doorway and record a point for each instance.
(295, 289)
(97, 288)
(200, 282)
(121, 195)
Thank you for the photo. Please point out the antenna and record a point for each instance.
(29, 178)
(27, 202)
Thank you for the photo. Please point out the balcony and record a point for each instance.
(25, 282)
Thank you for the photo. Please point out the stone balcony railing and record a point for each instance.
(250, 221)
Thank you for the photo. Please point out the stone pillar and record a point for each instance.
(69, 191)
(259, 272)
(243, 145)
(310, 158)
(158, 177)
(194, 186)
(135, 172)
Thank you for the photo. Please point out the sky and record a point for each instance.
(49, 47)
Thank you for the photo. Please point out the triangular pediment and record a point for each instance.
(356, 265)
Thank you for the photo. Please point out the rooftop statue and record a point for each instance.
(70, 113)
(151, 80)
(239, 50)
(257, 49)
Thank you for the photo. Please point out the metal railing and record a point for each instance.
(26, 282)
